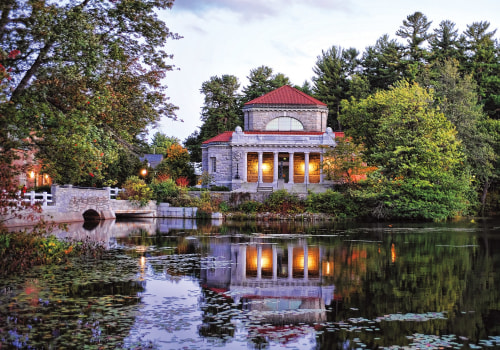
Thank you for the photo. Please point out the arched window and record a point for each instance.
(284, 124)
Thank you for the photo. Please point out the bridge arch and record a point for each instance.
(91, 215)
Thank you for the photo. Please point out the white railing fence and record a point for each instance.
(32, 197)
(113, 192)
(45, 198)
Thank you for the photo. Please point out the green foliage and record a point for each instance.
(222, 109)
(219, 188)
(176, 164)
(137, 191)
(224, 207)
(164, 191)
(261, 81)
(344, 163)
(334, 69)
(161, 143)
(22, 250)
(206, 179)
(417, 153)
(80, 95)
(250, 206)
(329, 202)
(281, 201)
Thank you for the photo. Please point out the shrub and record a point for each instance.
(182, 181)
(329, 202)
(164, 191)
(219, 188)
(283, 202)
(137, 191)
(250, 206)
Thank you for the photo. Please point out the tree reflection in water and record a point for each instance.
(326, 286)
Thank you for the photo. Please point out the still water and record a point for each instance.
(175, 284)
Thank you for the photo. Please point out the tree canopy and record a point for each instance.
(417, 152)
(85, 81)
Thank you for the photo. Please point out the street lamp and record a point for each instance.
(236, 158)
(144, 172)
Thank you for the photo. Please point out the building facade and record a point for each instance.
(281, 147)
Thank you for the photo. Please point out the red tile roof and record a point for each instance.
(224, 137)
(227, 135)
(284, 133)
(286, 95)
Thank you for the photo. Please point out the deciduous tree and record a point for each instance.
(416, 150)
(86, 80)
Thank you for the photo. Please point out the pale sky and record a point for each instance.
(234, 36)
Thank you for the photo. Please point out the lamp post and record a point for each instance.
(236, 158)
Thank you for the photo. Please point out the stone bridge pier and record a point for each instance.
(71, 203)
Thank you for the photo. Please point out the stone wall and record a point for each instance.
(72, 202)
(224, 164)
(313, 119)
(236, 198)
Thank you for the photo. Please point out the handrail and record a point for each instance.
(33, 197)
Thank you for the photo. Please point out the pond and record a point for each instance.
(175, 284)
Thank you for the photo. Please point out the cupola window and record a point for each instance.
(284, 124)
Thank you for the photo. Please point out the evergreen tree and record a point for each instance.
(382, 64)
(445, 43)
(222, 109)
(333, 70)
(483, 60)
(261, 81)
(415, 30)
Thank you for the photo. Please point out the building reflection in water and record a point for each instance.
(286, 282)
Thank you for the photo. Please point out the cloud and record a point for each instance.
(254, 9)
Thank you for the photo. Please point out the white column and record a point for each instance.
(306, 167)
(259, 179)
(275, 263)
(290, 262)
(243, 263)
(244, 170)
(259, 262)
(321, 168)
(275, 171)
(306, 263)
(290, 168)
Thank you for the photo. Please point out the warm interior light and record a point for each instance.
(265, 167)
(32, 174)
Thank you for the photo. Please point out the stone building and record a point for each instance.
(282, 145)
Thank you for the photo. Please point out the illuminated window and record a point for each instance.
(284, 124)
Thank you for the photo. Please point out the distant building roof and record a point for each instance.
(286, 95)
(152, 159)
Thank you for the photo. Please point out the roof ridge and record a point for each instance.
(286, 94)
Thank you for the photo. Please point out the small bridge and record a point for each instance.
(69, 204)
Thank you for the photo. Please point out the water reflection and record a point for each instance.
(271, 278)
(198, 285)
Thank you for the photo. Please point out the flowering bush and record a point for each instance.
(137, 191)
(182, 181)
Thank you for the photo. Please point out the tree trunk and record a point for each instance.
(484, 195)
(32, 71)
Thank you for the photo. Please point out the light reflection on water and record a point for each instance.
(201, 285)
